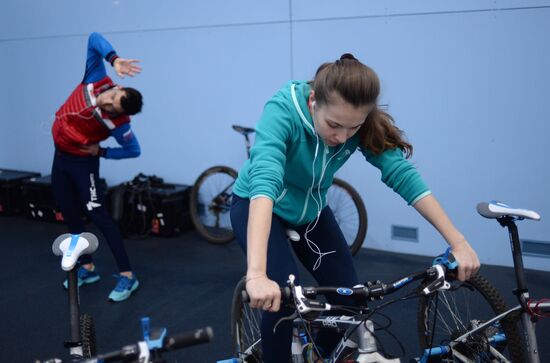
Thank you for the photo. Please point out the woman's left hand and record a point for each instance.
(468, 262)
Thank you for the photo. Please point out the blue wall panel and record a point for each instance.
(468, 82)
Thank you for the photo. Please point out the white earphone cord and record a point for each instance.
(312, 246)
(79, 113)
(55, 117)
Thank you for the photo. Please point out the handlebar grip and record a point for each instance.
(447, 259)
(285, 295)
(187, 339)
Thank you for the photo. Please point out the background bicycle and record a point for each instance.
(155, 343)
(456, 322)
(82, 342)
(210, 202)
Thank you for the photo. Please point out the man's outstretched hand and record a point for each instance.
(126, 67)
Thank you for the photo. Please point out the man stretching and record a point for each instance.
(95, 110)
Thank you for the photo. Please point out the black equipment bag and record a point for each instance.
(147, 205)
(11, 201)
(39, 201)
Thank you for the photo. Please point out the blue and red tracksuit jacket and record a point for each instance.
(80, 122)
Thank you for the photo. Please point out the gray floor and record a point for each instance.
(186, 283)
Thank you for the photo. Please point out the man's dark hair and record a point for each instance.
(132, 101)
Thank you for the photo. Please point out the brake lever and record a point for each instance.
(303, 304)
(439, 283)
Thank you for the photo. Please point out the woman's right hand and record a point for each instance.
(264, 293)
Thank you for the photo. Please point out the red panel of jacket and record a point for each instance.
(80, 122)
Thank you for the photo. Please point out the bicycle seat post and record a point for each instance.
(71, 247)
(522, 292)
(245, 131)
(247, 143)
(74, 344)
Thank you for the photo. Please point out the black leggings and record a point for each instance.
(336, 269)
(75, 183)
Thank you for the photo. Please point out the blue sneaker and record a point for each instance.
(124, 288)
(85, 276)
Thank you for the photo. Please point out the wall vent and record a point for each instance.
(409, 234)
(535, 248)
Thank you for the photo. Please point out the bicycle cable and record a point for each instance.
(374, 310)
(388, 319)
(379, 342)
(310, 336)
(386, 328)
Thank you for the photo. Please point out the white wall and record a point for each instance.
(468, 81)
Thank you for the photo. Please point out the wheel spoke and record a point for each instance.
(211, 204)
(342, 200)
(459, 310)
(247, 322)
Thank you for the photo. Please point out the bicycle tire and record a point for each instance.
(474, 300)
(87, 335)
(245, 328)
(350, 213)
(210, 203)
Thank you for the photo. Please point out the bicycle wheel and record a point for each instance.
(461, 308)
(245, 328)
(210, 203)
(350, 213)
(87, 333)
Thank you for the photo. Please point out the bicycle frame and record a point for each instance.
(364, 343)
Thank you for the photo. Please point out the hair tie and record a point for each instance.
(347, 56)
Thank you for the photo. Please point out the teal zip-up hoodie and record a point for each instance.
(291, 165)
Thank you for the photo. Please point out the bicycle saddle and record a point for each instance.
(243, 130)
(72, 246)
(496, 209)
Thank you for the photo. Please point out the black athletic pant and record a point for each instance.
(336, 269)
(75, 183)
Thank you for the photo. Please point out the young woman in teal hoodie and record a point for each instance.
(306, 133)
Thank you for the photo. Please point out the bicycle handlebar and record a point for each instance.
(141, 349)
(188, 339)
(301, 296)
